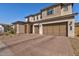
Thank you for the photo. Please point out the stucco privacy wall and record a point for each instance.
(67, 12)
(70, 32)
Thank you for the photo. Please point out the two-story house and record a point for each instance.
(55, 20)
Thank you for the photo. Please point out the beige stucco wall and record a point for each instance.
(58, 11)
(67, 12)
(35, 17)
(71, 33)
(40, 29)
(39, 16)
(44, 14)
(31, 19)
(33, 29)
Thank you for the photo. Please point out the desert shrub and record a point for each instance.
(9, 30)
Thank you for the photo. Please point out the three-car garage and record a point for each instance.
(57, 29)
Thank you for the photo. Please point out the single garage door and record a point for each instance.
(21, 29)
(36, 29)
(55, 29)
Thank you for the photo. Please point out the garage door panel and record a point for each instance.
(44, 30)
(50, 30)
(36, 29)
(55, 29)
(63, 30)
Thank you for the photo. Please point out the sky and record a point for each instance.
(11, 12)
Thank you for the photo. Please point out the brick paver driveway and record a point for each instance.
(36, 45)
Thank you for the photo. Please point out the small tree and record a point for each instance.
(9, 29)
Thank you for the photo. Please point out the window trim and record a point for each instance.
(65, 8)
(50, 11)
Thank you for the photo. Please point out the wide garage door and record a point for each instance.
(55, 29)
(36, 29)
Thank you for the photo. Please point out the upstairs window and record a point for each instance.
(50, 12)
(65, 8)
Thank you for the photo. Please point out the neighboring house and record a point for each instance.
(1, 28)
(57, 19)
(19, 27)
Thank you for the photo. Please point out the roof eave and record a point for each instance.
(18, 22)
